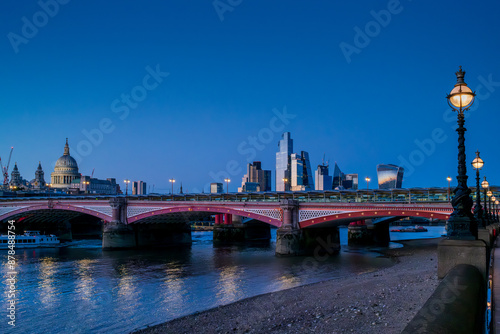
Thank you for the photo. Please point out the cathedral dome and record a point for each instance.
(65, 171)
(66, 161)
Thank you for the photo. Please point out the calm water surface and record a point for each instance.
(81, 289)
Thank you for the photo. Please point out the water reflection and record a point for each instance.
(46, 278)
(85, 282)
(228, 284)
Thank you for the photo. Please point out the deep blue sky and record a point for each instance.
(226, 77)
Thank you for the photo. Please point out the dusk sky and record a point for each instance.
(192, 89)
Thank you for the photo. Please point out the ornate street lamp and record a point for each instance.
(367, 179)
(284, 183)
(489, 193)
(172, 181)
(477, 164)
(493, 200)
(485, 185)
(227, 185)
(126, 186)
(449, 186)
(462, 224)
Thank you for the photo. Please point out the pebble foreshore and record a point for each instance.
(382, 301)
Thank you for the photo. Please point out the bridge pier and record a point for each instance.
(359, 234)
(230, 228)
(117, 234)
(292, 241)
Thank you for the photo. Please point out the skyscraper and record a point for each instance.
(323, 180)
(338, 177)
(390, 176)
(301, 174)
(256, 179)
(283, 163)
(350, 181)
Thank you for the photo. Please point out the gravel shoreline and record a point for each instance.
(383, 301)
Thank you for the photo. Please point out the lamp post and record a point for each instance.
(485, 185)
(126, 186)
(172, 181)
(462, 225)
(284, 183)
(489, 193)
(449, 186)
(496, 208)
(493, 200)
(477, 164)
(86, 183)
(367, 179)
(227, 185)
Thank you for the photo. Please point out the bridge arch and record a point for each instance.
(14, 211)
(275, 221)
(345, 217)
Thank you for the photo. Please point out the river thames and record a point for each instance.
(82, 289)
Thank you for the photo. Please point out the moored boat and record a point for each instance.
(30, 239)
(411, 229)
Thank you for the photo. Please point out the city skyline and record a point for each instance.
(217, 94)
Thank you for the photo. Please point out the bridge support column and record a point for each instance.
(359, 234)
(117, 234)
(381, 234)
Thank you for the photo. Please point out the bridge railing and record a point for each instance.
(413, 195)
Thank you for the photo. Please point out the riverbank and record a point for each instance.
(380, 301)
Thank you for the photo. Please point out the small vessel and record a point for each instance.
(411, 229)
(30, 239)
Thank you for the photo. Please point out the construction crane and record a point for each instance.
(5, 170)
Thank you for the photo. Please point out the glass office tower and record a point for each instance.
(301, 178)
(283, 163)
(323, 180)
(390, 176)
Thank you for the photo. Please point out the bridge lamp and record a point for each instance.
(477, 164)
(227, 185)
(172, 181)
(126, 186)
(462, 225)
(367, 179)
(284, 183)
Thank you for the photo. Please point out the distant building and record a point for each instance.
(301, 176)
(134, 187)
(323, 181)
(65, 171)
(142, 188)
(88, 185)
(338, 177)
(216, 188)
(283, 162)
(255, 174)
(390, 176)
(15, 177)
(350, 181)
(39, 182)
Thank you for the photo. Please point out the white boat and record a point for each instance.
(30, 239)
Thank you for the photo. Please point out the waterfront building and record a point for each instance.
(390, 176)
(323, 181)
(39, 182)
(65, 171)
(301, 175)
(88, 185)
(350, 181)
(255, 174)
(216, 188)
(283, 162)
